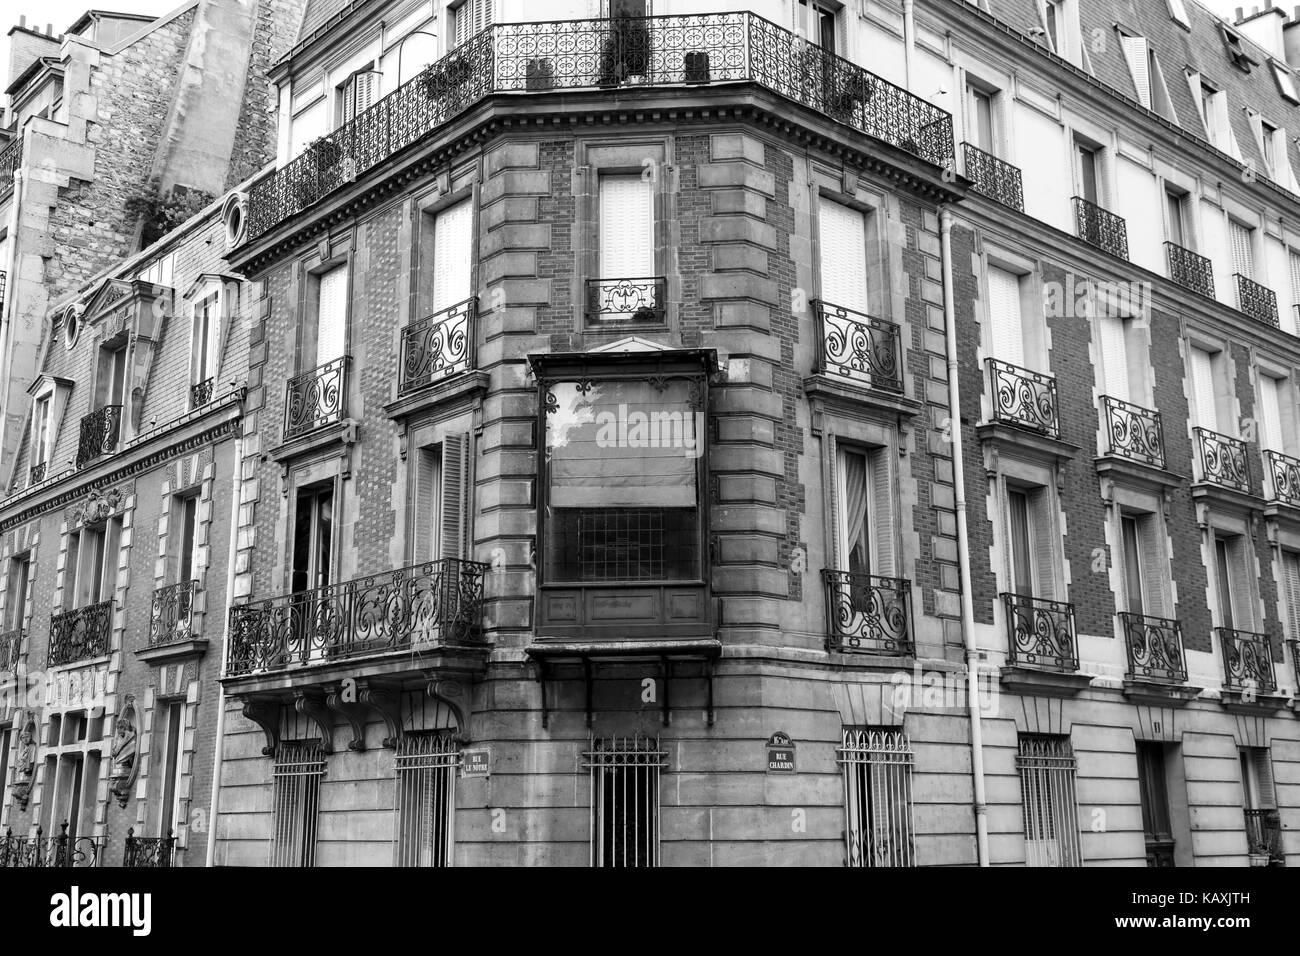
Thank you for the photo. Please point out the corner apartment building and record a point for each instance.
(658, 424)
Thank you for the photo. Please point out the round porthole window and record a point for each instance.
(234, 214)
(71, 325)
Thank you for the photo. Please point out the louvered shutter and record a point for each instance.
(1270, 414)
(1136, 51)
(881, 514)
(1044, 543)
(1264, 778)
(1243, 601)
(1008, 339)
(842, 233)
(1243, 260)
(455, 464)
(1114, 355)
(452, 255)
(331, 331)
(1291, 585)
(1154, 565)
(427, 517)
(626, 227)
(1293, 261)
(1203, 389)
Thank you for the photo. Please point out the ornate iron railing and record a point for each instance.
(1190, 270)
(61, 850)
(1284, 476)
(858, 347)
(1295, 662)
(995, 178)
(1255, 300)
(80, 634)
(36, 474)
(171, 617)
(1264, 834)
(438, 346)
(99, 434)
(148, 852)
(1040, 633)
(1247, 661)
(11, 649)
(435, 603)
(1101, 228)
(10, 157)
(1024, 398)
(595, 54)
(1222, 459)
(1135, 432)
(632, 301)
(316, 398)
(4, 282)
(201, 392)
(865, 612)
(1155, 648)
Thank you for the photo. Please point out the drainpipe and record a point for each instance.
(235, 485)
(909, 41)
(963, 547)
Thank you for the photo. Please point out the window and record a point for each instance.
(1142, 546)
(161, 271)
(439, 522)
(91, 564)
(1121, 379)
(864, 508)
(1242, 238)
(1209, 383)
(5, 731)
(112, 376)
(426, 766)
(627, 289)
(1053, 14)
(1213, 105)
(877, 766)
(1176, 212)
(185, 525)
(1286, 82)
(331, 318)
(1293, 268)
(468, 19)
(624, 800)
(299, 766)
(1154, 793)
(42, 437)
(1275, 424)
(1006, 319)
(815, 22)
(1236, 48)
(72, 762)
(357, 93)
(981, 127)
(1051, 811)
(207, 357)
(1259, 804)
(1030, 536)
(1268, 146)
(307, 109)
(1178, 13)
(842, 238)
(313, 537)
(452, 251)
(1233, 596)
(1291, 591)
(1148, 78)
(1088, 162)
(170, 717)
(20, 570)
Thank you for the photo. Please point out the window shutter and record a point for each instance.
(1242, 600)
(626, 227)
(1291, 584)
(881, 515)
(1154, 565)
(331, 315)
(455, 464)
(1008, 339)
(1114, 355)
(1044, 544)
(427, 518)
(1136, 51)
(1270, 414)
(1203, 389)
(453, 230)
(1293, 260)
(1263, 778)
(1242, 258)
(1020, 530)
(842, 234)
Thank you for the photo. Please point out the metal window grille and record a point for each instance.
(877, 766)
(426, 767)
(624, 800)
(299, 767)
(1051, 810)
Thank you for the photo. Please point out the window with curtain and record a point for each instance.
(1032, 549)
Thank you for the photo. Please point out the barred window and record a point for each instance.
(1051, 811)
(624, 800)
(877, 766)
(426, 766)
(299, 765)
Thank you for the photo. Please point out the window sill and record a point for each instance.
(1214, 495)
(1138, 473)
(1044, 447)
(1155, 693)
(191, 649)
(455, 390)
(847, 391)
(1250, 704)
(335, 433)
(1042, 683)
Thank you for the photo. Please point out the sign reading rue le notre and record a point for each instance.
(780, 753)
(474, 763)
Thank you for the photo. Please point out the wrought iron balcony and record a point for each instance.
(994, 178)
(1040, 634)
(1295, 662)
(672, 51)
(80, 634)
(201, 392)
(1155, 648)
(148, 852)
(1247, 661)
(437, 603)
(1264, 834)
(61, 850)
(11, 649)
(1190, 270)
(1101, 228)
(1023, 398)
(438, 346)
(858, 347)
(10, 157)
(620, 302)
(1283, 473)
(4, 282)
(99, 434)
(316, 398)
(1221, 460)
(868, 613)
(171, 619)
(36, 474)
(1255, 300)
(1135, 432)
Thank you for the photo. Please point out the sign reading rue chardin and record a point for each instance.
(780, 753)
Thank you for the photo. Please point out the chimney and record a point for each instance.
(1265, 28)
(1291, 40)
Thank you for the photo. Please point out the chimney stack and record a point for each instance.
(1265, 28)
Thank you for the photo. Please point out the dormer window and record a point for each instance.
(1286, 82)
(206, 351)
(1236, 49)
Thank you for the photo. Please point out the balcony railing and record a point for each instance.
(1023, 398)
(1190, 270)
(1264, 834)
(438, 346)
(36, 474)
(11, 649)
(1284, 477)
(1222, 460)
(1247, 661)
(61, 850)
(1040, 633)
(201, 392)
(80, 634)
(621, 302)
(10, 157)
(1295, 662)
(171, 617)
(316, 398)
(437, 603)
(1255, 300)
(671, 51)
(99, 434)
(1135, 432)
(148, 852)
(4, 282)
(1101, 228)
(858, 347)
(868, 613)
(1155, 648)
(994, 178)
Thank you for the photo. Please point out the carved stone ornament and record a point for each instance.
(99, 506)
(125, 752)
(25, 761)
